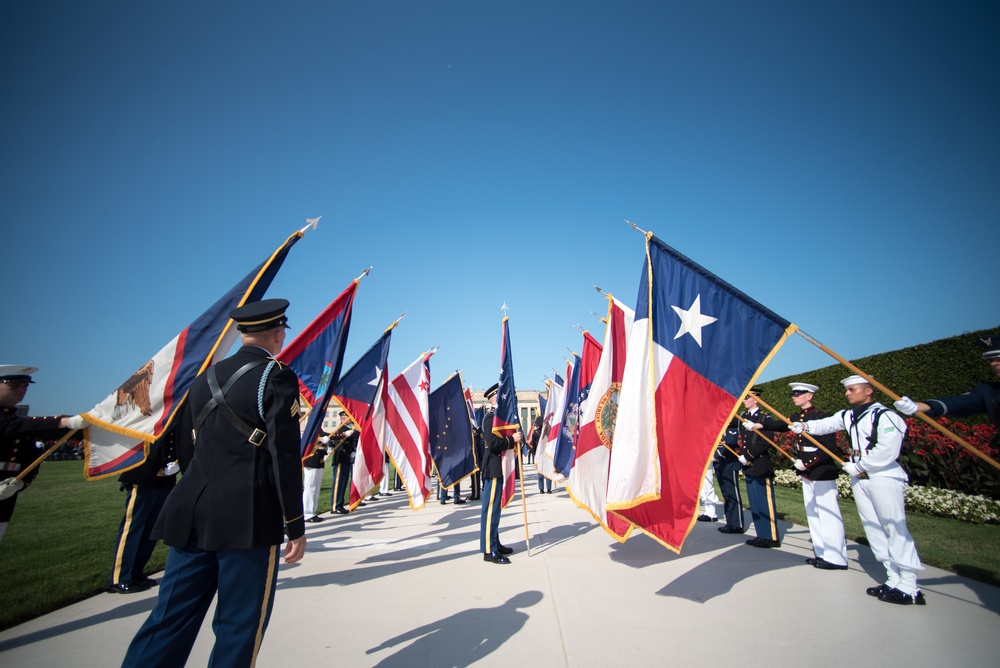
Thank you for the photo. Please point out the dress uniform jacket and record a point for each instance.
(819, 465)
(234, 494)
(17, 448)
(983, 398)
(755, 448)
(495, 446)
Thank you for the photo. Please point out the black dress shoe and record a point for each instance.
(729, 529)
(763, 542)
(496, 558)
(827, 566)
(877, 591)
(343, 511)
(706, 518)
(893, 595)
(503, 549)
(459, 501)
(314, 519)
(811, 561)
(126, 588)
(385, 493)
(145, 581)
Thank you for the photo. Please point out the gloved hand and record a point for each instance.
(324, 440)
(171, 468)
(906, 406)
(10, 487)
(743, 460)
(748, 425)
(797, 427)
(76, 422)
(851, 469)
(799, 466)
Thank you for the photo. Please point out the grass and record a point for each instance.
(57, 549)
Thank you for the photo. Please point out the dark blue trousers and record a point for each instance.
(728, 475)
(244, 580)
(341, 479)
(544, 484)
(489, 523)
(134, 547)
(760, 494)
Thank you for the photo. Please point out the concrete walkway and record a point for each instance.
(387, 586)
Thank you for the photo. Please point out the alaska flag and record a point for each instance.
(451, 432)
(696, 347)
(142, 408)
(507, 421)
(317, 356)
(355, 391)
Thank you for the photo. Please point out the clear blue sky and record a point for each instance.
(836, 161)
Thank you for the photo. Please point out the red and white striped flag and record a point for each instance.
(402, 428)
(588, 480)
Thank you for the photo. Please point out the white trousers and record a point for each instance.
(826, 526)
(312, 479)
(383, 487)
(707, 497)
(883, 515)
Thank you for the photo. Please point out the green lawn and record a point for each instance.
(57, 549)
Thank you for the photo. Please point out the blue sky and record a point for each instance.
(835, 161)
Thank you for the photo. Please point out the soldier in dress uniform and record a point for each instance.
(727, 471)
(240, 495)
(983, 398)
(819, 483)
(878, 482)
(18, 434)
(312, 478)
(343, 457)
(146, 488)
(759, 473)
(492, 466)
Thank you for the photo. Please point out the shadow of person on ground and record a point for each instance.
(462, 639)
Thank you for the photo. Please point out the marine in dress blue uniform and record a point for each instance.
(19, 434)
(239, 495)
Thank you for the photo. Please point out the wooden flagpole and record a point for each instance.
(895, 397)
(773, 444)
(524, 500)
(806, 434)
(10, 486)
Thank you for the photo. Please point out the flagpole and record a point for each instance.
(524, 501)
(773, 444)
(33, 465)
(804, 433)
(895, 397)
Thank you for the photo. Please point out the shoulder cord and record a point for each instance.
(260, 388)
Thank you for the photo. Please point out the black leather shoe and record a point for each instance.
(385, 493)
(342, 511)
(145, 581)
(877, 591)
(459, 501)
(706, 518)
(314, 519)
(763, 542)
(893, 595)
(811, 561)
(496, 558)
(729, 529)
(126, 588)
(827, 566)
(503, 549)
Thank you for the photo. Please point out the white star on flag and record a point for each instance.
(378, 374)
(692, 320)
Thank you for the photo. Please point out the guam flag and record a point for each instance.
(507, 421)
(317, 355)
(140, 410)
(696, 347)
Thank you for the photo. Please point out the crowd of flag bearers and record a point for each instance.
(635, 433)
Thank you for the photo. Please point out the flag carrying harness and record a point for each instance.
(218, 400)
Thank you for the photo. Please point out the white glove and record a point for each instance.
(852, 469)
(906, 406)
(324, 440)
(748, 425)
(76, 422)
(743, 460)
(171, 468)
(799, 466)
(10, 487)
(797, 427)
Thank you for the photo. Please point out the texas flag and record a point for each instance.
(696, 347)
(588, 481)
(402, 428)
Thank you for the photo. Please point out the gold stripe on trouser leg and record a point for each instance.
(489, 517)
(770, 507)
(336, 488)
(272, 563)
(116, 571)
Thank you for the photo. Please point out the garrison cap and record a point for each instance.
(260, 316)
(803, 387)
(991, 347)
(16, 372)
(491, 391)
